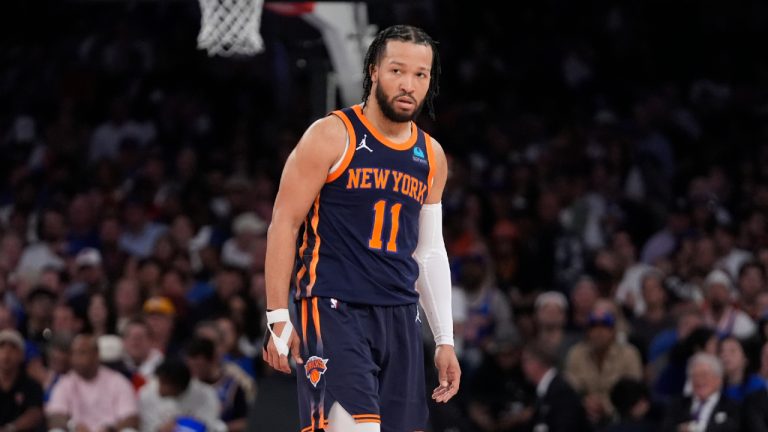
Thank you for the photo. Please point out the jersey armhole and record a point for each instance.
(338, 168)
(431, 160)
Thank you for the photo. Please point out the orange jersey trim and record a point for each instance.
(384, 140)
(303, 269)
(304, 322)
(316, 317)
(431, 160)
(316, 249)
(350, 148)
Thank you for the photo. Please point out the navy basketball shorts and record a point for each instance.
(369, 359)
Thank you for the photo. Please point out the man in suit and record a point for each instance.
(755, 412)
(558, 407)
(706, 410)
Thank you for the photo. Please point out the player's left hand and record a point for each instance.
(448, 372)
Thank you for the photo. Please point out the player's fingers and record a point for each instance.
(295, 350)
(282, 364)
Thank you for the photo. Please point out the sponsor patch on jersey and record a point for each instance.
(315, 367)
(418, 155)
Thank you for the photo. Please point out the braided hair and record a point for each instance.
(404, 33)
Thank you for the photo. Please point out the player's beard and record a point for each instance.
(388, 107)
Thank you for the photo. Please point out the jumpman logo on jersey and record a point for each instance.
(363, 144)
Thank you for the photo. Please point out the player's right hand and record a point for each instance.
(277, 361)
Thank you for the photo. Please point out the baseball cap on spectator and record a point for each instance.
(548, 297)
(718, 277)
(159, 305)
(13, 337)
(605, 319)
(249, 223)
(88, 257)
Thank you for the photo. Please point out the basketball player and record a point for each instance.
(357, 231)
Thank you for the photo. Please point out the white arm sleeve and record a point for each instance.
(434, 282)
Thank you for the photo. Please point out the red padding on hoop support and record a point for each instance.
(290, 8)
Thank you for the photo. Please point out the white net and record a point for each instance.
(230, 27)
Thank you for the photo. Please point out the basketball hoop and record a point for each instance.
(230, 27)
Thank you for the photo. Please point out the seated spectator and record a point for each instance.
(21, 398)
(655, 317)
(499, 397)
(595, 364)
(173, 395)
(558, 407)
(214, 332)
(203, 364)
(238, 250)
(58, 363)
(740, 381)
(705, 409)
(673, 379)
(719, 311)
(100, 316)
(551, 312)
(632, 401)
(232, 344)
(140, 358)
(92, 397)
(160, 315)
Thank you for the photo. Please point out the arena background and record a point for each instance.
(575, 131)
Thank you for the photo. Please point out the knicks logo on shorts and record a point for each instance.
(315, 368)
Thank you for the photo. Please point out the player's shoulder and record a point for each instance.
(324, 138)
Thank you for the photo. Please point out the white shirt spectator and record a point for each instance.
(199, 400)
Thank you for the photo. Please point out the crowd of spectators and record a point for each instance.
(605, 213)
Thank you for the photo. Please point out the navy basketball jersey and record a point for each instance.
(358, 239)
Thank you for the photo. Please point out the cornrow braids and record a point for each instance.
(403, 33)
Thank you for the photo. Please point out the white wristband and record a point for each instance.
(281, 342)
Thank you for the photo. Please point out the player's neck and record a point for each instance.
(395, 131)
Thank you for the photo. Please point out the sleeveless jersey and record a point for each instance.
(357, 242)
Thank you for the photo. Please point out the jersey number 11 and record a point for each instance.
(379, 211)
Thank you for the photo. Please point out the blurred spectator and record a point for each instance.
(91, 396)
(66, 321)
(58, 355)
(230, 282)
(558, 407)
(128, 302)
(203, 364)
(499, 398)
(594, 365)
(673, 379)
(655, 317)
(140, 233)
(629, 292)
(551, 317)
(632, 402)
(719, 296)
(216, 333)
(50, 248)
(751, 283)
(100, 315)
(37, 323)
(488, 308)
(160, 315)
(740, 380)
(663, 243)
(705, 409)
(141, 358)
(238, 250)
(81, 219)
(21, 398)
(236, 346)
(583, 296)
(731, 258)
(174, 395)
(89, 276)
